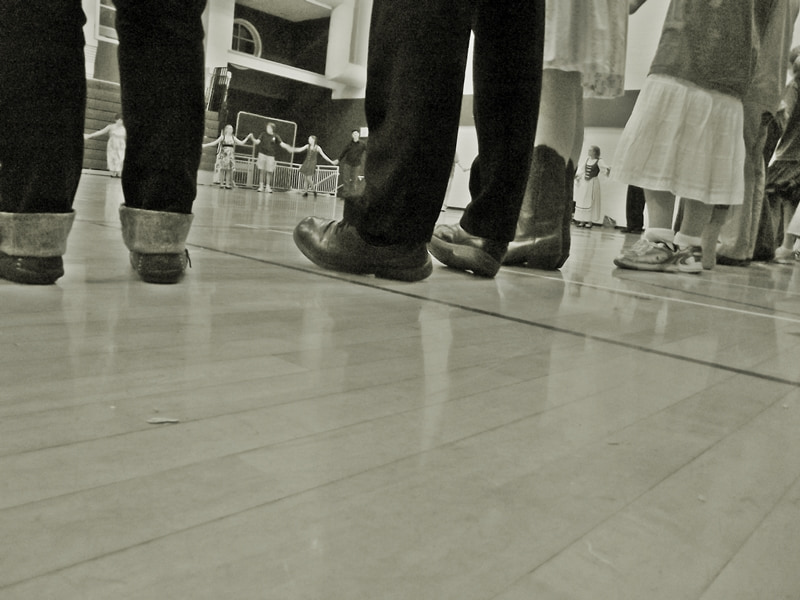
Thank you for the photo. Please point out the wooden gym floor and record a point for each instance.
(583, 434)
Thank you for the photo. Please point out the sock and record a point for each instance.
(685, 241)
(655, 234)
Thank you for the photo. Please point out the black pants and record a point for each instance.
(43, 99)
(417, 59)
(634, 208)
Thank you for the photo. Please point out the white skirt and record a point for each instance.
(588, 207)
(588, 36)
(684, 139)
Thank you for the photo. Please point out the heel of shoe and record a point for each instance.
(465, 258)
(540, 253)
(160, 268)
(405, 273)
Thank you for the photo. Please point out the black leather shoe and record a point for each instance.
(458, 249)
(32, 270)
(160, 268)
(336, 245)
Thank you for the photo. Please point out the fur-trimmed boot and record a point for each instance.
(32, 244)
(539, 240)
(157, 242)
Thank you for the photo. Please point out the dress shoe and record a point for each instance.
(160, 268)
(31, 269)
(458, 249)
(336, 245)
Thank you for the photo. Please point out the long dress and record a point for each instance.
(588, 200)
(225, 156)
(590, 37)
(115, 148)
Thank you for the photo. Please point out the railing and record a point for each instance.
(287, 176)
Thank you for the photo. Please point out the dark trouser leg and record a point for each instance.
(417, 60)
(507, 78)
(42, 103)
(348, 173)
(161, 71)
(634, 208)
(737, 236)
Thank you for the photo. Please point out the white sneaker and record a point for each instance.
(261, 188)
(645, 255)
(785, 256)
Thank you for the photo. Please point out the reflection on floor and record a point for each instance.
(588, 434)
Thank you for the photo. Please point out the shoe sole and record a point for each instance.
(659, 267)
(464, 258)
(31, 277)
(11, 272)
(410, 274)
(150, 275)
(531, 255)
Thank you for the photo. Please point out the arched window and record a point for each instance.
(245, 38)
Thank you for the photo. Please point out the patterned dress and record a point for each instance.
(588, 36)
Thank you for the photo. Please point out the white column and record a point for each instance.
(218, 23)
(348, 41)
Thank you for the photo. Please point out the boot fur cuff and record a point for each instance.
(153, 231)
(39, 235)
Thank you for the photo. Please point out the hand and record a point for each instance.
(335, 162)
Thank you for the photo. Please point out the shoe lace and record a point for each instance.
(641, 247)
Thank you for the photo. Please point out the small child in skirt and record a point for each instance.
(226, 162)
(588, 200)
(685, 135)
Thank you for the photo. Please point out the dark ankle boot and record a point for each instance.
(566, 218)
(157, 243)
(31, 246)
(539, 240)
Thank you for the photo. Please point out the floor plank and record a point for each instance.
(587, 433)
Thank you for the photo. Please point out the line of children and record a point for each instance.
(267, 144)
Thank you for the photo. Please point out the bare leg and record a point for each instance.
(560, 124)
(660, 209)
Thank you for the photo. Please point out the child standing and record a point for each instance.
(115, 148)
(309, 166)
(225, 155)
(685, 135)
(588, 208)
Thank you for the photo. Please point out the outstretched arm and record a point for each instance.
(289, 148)
(325, 156)
(103, 131)
(212, 143)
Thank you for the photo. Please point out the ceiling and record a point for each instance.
(292, 10)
